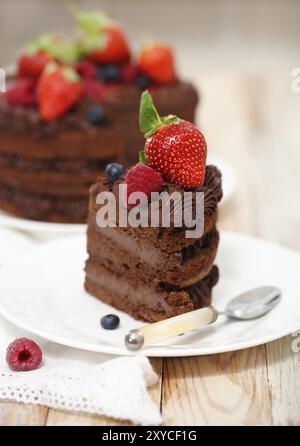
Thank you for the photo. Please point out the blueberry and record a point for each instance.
(142, 81)
(110, 322)
(96, 115)
(114, 171)
(109, 73)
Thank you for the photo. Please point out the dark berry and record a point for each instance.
(142, 81)
(109, 73)
(110, 322)
(96, 115)
(23, 355)
(114, 171)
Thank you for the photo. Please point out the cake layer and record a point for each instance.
(24, 133)
(148, 301)
(45, 184)
(36, 206)
(170, 240)
(135, 257)
(76, 166)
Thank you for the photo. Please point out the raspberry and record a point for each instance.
(21, 92)
(142, 178)
(128, 74)
(93, 89)
(23, 355)
(86, 69)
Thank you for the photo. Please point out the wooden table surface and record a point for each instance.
(251, 121)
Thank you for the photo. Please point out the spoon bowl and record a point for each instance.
(254, 303)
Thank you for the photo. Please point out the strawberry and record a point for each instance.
(32, 65)
(21, 92)
(58, 90)
(175, 148)
(157, 62)
(142, 178)
(102, 40)
(115, 48)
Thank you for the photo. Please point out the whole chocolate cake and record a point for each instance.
(71, 109)
(153, 273)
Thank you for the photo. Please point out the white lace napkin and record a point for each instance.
(76, 380)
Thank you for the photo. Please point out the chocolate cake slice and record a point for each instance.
(155, 269)
(153, 273)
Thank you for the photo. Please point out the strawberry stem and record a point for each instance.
(149, 119)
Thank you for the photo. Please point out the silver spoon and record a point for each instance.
(249, 305)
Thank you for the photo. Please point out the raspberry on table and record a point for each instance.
(23, 355)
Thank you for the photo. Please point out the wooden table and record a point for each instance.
(253, 123)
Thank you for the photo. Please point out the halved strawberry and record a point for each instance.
(175, 148)
(157, 62)
(58, 90)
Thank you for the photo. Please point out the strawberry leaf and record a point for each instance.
(142, 157)
(89, 22)
(149, 119)
(59, 48)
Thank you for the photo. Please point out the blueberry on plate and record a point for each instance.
(95, 115)
(110, 322)
(114, 171)
(109, 73)
(142, 81)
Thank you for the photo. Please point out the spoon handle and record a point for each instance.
(174, 326)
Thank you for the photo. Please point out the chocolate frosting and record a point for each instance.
(213, 181)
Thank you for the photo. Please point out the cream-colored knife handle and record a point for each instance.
(153, 333)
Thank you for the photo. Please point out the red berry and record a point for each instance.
(115, 49)
(21, 92)
(157, 62)
(128, 74)
(86, 69)
(23, 355)
(93, 89)
(178, 152)
(57, 92)
(33, 65)
(142, 178)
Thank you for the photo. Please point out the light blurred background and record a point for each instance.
(240, 53)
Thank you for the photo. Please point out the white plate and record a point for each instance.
(40, 227)
(46, 230)
(43, 294)
(13, 242)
